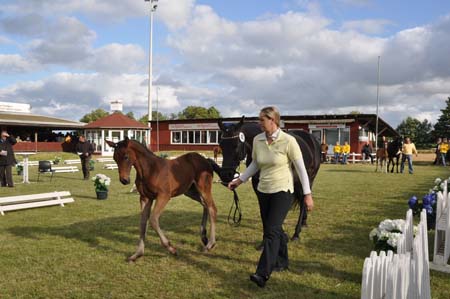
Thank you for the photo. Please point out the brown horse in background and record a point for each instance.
(216, 151)
(159, 180)
(382, 156)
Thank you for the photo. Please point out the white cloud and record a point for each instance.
(13, 63)
(367, 26)
(298, 61)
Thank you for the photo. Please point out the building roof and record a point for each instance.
(34, 120)
(115, 120)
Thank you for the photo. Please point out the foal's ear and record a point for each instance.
(111, 144)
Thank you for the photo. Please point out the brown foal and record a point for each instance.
(159, 180)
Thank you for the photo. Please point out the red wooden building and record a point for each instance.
(203, 134)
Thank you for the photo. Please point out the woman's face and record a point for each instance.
(267, 124)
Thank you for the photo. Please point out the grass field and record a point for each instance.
(79, 251)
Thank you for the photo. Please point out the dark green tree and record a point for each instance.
(198, 112)
(442, 127)
(94, 115)
(408, 128)
(155, 116)
(418, 131)
(131, 115)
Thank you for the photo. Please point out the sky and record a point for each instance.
(67, 58)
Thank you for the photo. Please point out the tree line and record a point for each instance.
(190, 112)
(423, 133)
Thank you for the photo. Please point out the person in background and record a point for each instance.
(366, 152)
(273, 153)
(345, 151)
(443, 149)
(438, 153)
(7, 159)
(84, 149)
(408, 150)
(324, 151)
(337, 152)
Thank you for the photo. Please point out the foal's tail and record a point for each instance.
(216, 168)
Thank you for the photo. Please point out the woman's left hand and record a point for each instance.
(309, 202)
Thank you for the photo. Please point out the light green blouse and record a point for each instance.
(274, 162)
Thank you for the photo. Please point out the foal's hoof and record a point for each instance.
(172, 250)
(133, 258)
(209, 247)
(295, 238)
(204, 241)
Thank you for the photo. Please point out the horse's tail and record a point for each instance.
(216, 168)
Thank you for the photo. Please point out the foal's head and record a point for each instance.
(124, 158)
(232, 144)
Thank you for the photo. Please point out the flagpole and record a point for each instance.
(378, 104)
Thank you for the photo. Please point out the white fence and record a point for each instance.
(404, 275)
(441, 252)
(19, 202)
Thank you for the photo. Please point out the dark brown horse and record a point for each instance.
(237, 143)
(159, 180)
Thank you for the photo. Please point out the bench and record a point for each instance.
(19, 202)
(74, 161)
(103, 160)
(32, 163)
(110, 166)
(64, 169)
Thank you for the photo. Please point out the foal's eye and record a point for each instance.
(126, 157)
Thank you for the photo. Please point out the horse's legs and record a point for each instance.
(195, 195)
(204, 187)
(160, 204)
(146, 205)
(301, 219)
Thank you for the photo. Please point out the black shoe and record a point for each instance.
(258, 279)
(260, 246)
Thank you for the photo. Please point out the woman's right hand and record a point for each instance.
(234, 183)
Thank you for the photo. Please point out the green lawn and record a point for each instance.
(79, 251)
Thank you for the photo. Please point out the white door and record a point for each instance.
(114, 136)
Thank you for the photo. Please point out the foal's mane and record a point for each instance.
(137, 147)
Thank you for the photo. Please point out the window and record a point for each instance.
(212, 136)
(194, 137)
(176, 137)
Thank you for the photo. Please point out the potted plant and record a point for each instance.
(19, 169)
(91, 164)
(56, 160)
(101, 184)
(386, 235)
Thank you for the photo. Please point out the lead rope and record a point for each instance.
(237, 214)
(235, 208)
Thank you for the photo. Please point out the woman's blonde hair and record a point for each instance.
(272, 113)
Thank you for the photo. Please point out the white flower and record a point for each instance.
(399, 224)
(393, 239)
(386, 225)
(384, 235)
(373, 233)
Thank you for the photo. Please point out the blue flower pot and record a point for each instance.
(102, 194)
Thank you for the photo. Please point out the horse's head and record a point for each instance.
(232, 144)
(124, 158)
(399, 143)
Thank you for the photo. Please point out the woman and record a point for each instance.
(273, 152)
